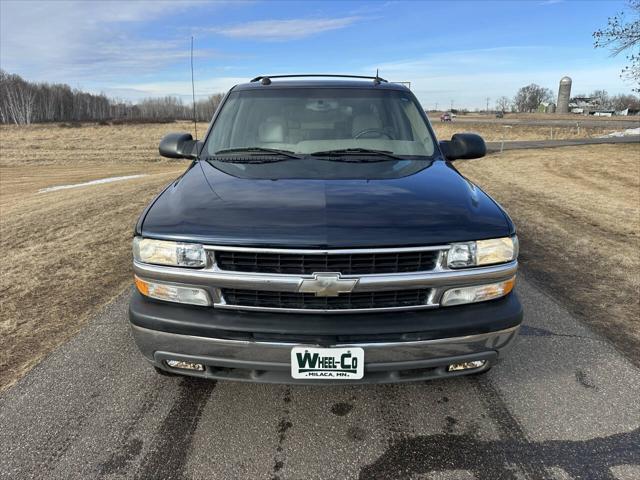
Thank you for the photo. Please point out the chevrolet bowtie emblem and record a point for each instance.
(327, 285)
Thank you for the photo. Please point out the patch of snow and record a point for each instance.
(624, 133)
(92, 182)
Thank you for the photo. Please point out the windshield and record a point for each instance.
(318, 120)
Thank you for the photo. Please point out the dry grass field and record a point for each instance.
(66, 253)
(577, 210)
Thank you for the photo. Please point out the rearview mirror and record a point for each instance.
(179, 145)
(463, 146)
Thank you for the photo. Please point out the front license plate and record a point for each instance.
(327, 363)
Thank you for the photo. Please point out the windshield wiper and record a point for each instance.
(356, 152)
(259, 150)
(245, 159)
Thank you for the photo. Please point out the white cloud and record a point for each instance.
(102, 46)
(471, 91)
(469, 76)
(285, 29)
(461, 60)
(76, 41)
(182, 89)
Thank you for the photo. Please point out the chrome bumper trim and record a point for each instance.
(256, 354)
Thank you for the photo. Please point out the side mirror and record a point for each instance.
(463, 146)
(179, 145)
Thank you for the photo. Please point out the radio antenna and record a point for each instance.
(193, 94)
(376, 80)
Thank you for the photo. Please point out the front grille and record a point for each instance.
(308, 301)
(347, 264)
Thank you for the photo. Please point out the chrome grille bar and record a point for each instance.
(346, 264)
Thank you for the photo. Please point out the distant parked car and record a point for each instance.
(446, 117)
(499, 114)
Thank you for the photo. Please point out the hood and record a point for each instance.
(431, 205)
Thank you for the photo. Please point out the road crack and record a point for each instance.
(506, 458)
(167, 458)
(283, 426)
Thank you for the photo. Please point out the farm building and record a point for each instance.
(590, 106)
(628, 112)
(547, 107)
(582, 105)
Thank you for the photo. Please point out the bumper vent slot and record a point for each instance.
(308, 301)
(347, 264)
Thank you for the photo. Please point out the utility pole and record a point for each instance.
(436, 106)
(488, 105)
(451, 104)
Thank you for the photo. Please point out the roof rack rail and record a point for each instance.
(266, 79)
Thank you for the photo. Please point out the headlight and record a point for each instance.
(162, 252)
(172, 293)
(482, 252)
(477, 293)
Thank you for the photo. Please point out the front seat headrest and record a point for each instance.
(271, 130)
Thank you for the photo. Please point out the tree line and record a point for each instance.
(530, 97)
(23, 102)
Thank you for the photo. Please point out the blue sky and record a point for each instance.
(457, 50)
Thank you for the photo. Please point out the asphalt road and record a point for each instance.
(493, 147)
(583, 121)
(564, 405)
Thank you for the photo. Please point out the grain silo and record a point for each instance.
(564, 94)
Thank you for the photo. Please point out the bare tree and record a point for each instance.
(206, 108)
(18, 99)
(503, 104)
(621, 35)
(23, 102)
(529, 98)
(601, 97)
(622, 102)
(162, 108)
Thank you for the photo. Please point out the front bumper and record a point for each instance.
(255, 347)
